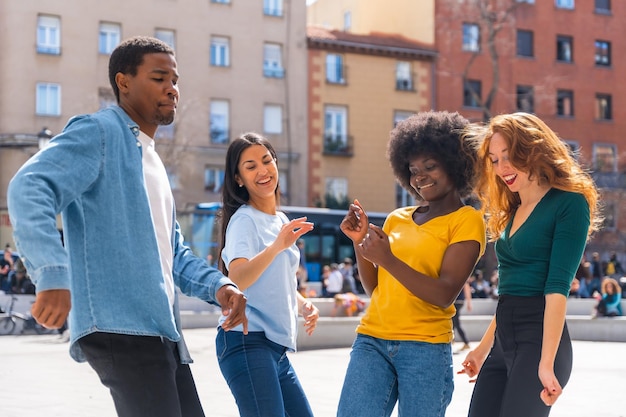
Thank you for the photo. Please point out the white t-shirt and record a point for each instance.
(161, 207)
(272, 305)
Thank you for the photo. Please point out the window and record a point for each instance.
(272, 61)
(605, 157)
(166, 35)
(48, 100)
(526, 1)
(337, 191)
(335, 129)
(109, 38)
(565, 4)
(165, 132)
(565, 103)
(220, 1)
(404, 78)
(525, 43)
(400, 115)
(106, 98)
(213, 179)
(283, 183)
(472, 93)
(219, 121)
(603, 107)
(564, 48)
(273, 119)
(603, 53)
(574, 147)
(403, 197)
(335, 69)
(471, 37)
(347, 21)
(49, 35)
(273, 7)
(603, 6)
(525, 99)
(220, 51)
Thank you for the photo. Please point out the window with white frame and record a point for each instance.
(335, 128)
(400, 115)
(48, 99)
(283, 183)
(272, 61)
(220, 51)
(605, 157)
(564, 4)
(273, 7)
(213, 178)
(49, 35)
(219, 122)
(166, 35)
(404, 78)
(273, 119)
(347, 21)
(334, 69)
(471, 37)
(337, 190)
(109, 37)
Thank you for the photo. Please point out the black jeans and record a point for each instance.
(508, 384)
(144, 375)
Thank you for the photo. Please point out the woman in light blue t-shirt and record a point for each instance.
(260, 255)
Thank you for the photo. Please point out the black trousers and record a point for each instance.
(508, 384)
(456, 321)
(144, 375)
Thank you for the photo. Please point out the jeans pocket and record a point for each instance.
(221, 344)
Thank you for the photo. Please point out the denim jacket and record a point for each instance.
(92, 174)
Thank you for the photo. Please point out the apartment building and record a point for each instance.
(243, 66)
(555, 58)
(360, 86)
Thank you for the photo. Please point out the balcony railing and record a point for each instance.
(610, 180)
(338, 145)
(273, 72)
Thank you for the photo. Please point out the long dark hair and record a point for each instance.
(234, 196)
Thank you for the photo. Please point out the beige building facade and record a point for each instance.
(243, 67)
(359, 87)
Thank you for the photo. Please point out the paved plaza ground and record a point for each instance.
(38, 378)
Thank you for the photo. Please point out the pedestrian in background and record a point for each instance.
(123, 254)
(541, 207)
(413, 268)
(259, 253)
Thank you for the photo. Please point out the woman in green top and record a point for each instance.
(541, 207)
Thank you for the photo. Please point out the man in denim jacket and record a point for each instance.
(123, 254)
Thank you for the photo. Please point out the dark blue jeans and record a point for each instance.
(144, 375)
(260, 376)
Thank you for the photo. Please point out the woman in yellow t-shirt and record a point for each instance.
(413, 269)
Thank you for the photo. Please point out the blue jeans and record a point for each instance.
(417, 375)
(260, 376)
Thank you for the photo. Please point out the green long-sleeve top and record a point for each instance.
(543, 254)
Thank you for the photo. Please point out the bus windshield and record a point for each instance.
(324, 245)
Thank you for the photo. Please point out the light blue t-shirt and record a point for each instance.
(272, 304)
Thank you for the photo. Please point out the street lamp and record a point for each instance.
(44, 137)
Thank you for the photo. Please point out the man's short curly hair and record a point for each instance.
(437, 134)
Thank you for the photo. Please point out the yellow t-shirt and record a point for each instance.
(394, 312)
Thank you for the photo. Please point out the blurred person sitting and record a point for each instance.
(480, 287)
(610, 305)
(20, 281)
(350, 303)
(6, 267)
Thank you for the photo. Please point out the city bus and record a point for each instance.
(324, 245)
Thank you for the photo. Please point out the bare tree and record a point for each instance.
(493, 17)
